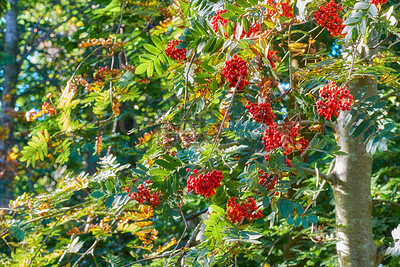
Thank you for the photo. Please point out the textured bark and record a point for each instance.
(11, 71)
(352, 190)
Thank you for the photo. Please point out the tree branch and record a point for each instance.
(330, 178)
(375, 201)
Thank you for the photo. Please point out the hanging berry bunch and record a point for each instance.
(261, 112)
(266, 180)
(217, 17)
(233, 70)
(282, 8)
(253, 31)
(103, 73)
(238, 211)
(272, 138)
(272, 58)
(175, 53)
(378, 2)
(288, 138)
(328, 16)
(205, 184)
(143, 194)
(333, 100)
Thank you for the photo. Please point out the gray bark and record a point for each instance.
(352, 189)
(11, 71)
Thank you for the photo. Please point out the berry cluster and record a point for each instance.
(47, 108)
(233, 70)
(288, 139)
(175, 53)
(328, 16)
(237, 211)
(378, 2)
(335, 99)
(143, 194)
(266, 180)
(261, 112)
(94, 42)
(217, 17)
(272, 58)
(272, 137)
(205, 184)
(282, 8)
(253, 31)
(102, 74)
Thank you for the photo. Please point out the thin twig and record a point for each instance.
(183, 234)
(44, 241)
(189, 242)
(152, 258)
(223, 120)
(186, 92)
(374, 201)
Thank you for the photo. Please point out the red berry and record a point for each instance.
(282, 8)
(205, 184)
(238, 211)
(261, 112)
(175, 53)
(188, 169)
(328, 16)
(233, 70)
(195, 171)
(217, 17)
(333, 100)
(378, 2)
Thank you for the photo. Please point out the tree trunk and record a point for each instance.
(11, 71)
(352, 189)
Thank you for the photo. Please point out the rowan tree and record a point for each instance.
(251, 121)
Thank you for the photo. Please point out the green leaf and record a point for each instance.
(150, 69)
(234, 9)
(361, 128)
(159, 172)
(266, 202)
(313, 219)
(157, 41)
(142, 68)
(97, 194)
(152, 49)
(243, 3)
(165, 164)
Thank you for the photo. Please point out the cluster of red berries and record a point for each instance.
(217, 17)
(335, 99)
(261, 112)
(272, 58)
(237, 211)
(272, 137)
(378, 2)
(205, 184)
(253, 31)
(175, 53)
(143, 194)
(233, 70)
(282, 8)
(289, 140)
(47, 108)
(266, 180)
(102, 74)
(328, 16)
